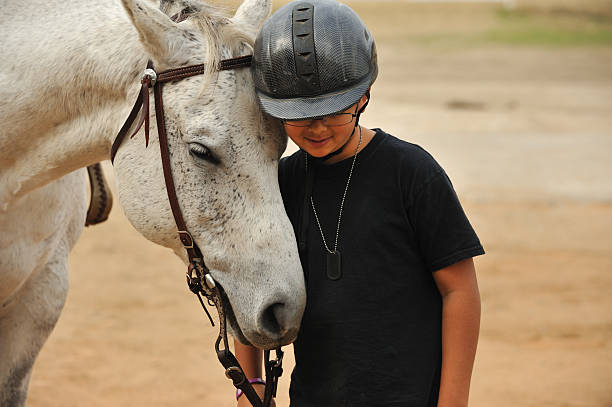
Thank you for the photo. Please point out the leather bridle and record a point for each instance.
(199, 279)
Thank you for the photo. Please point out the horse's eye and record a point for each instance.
(202, 153)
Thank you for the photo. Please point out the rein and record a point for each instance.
(199, 279)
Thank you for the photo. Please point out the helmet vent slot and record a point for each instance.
(307, 73)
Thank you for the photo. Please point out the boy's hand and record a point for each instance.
(243, 401)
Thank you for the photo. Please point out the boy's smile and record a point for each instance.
(317, 143)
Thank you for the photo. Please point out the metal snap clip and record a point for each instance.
(210, 282)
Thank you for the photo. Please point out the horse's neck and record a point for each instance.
(69, 98)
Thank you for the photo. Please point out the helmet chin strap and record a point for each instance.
(341, 149)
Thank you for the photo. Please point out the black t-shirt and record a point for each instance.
(373, 337)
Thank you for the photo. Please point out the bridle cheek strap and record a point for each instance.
(190, 246)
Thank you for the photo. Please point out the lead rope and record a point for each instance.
(200, 285)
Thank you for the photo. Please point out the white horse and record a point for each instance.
(69, 74)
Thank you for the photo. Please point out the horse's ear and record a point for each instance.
(169, 7)
(252, 13)
(172, 7)
(158, 34)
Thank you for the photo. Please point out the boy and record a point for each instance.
(393, 308)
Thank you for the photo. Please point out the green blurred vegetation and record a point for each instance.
(515, 28)
(551, 29)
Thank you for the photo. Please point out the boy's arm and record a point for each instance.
(250, 360)
(460, 327)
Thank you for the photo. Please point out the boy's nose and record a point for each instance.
(317, 126)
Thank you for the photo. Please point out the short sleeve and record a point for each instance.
(443, 232)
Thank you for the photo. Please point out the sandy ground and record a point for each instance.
(525, 134)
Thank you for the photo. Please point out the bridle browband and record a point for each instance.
(199, 279)
(150, 78)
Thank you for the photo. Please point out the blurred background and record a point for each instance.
(514, 99)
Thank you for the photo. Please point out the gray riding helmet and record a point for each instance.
(312, 59)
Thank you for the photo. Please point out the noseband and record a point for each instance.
(199, 279)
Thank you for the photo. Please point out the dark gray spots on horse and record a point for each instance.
(189, 36)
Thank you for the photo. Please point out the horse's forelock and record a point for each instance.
(219, 30)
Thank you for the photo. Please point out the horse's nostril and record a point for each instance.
(272, 319)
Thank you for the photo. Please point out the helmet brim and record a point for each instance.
(302, 108)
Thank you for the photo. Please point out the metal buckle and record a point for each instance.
(186, 239)
(237, 374)
(151, 74)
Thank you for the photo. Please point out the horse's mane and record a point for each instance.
(218, 28)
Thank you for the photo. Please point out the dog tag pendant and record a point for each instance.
(334, 266)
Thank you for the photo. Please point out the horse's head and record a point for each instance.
(224, 155)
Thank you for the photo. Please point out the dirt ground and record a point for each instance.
(524, 133)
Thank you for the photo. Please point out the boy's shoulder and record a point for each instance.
(408, 157)
(403, 148)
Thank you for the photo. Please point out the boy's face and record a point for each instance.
(320, 139)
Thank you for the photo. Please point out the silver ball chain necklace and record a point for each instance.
(333, 263)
